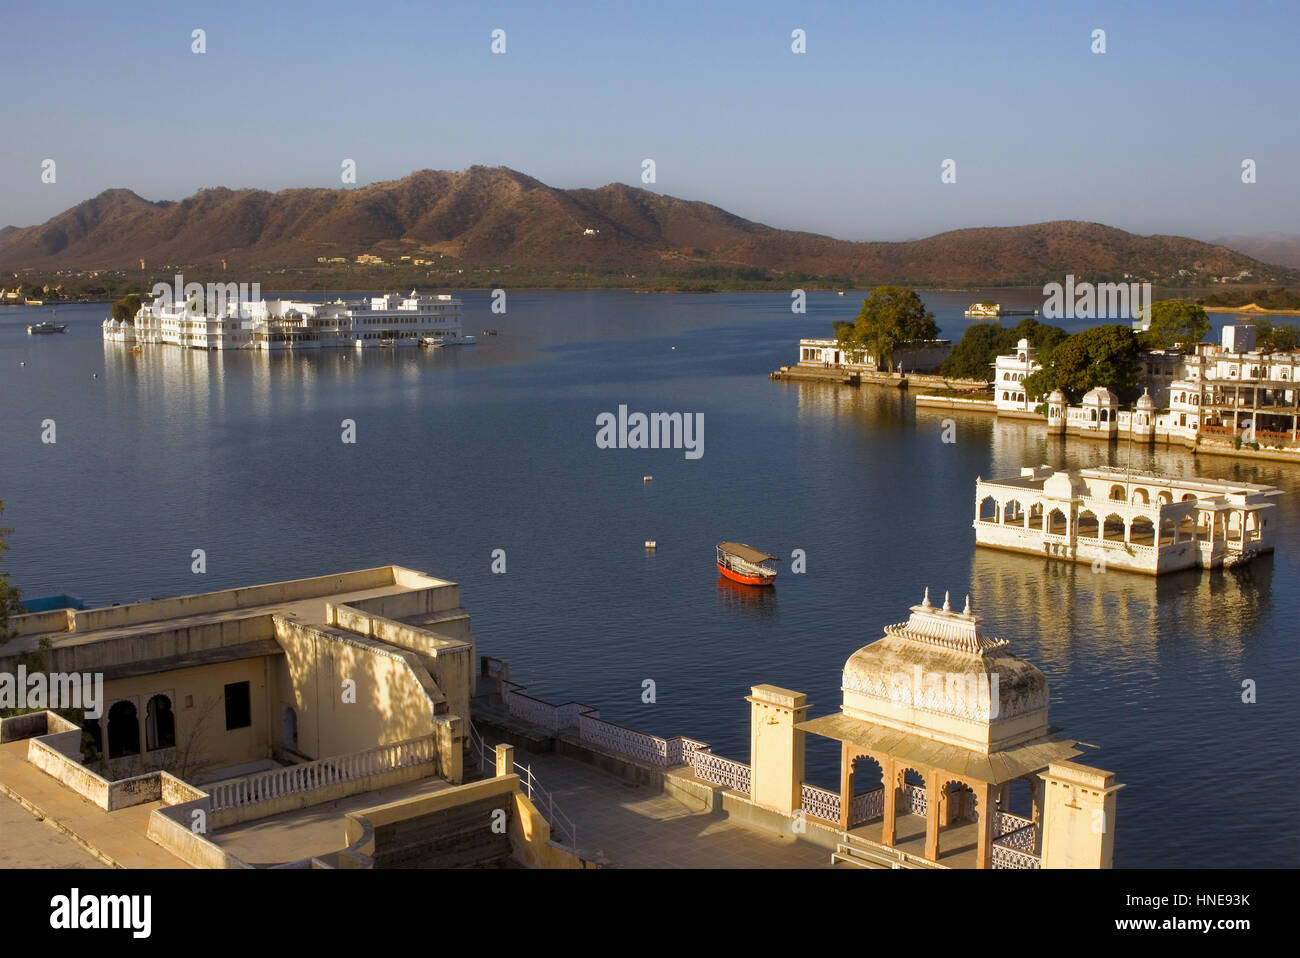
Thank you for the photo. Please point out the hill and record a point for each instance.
(497, 216)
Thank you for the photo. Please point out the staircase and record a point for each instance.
(857, 852)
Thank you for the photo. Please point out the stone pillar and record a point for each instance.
(777, 747)
(932, 808)
(984, 795)
(889, 779)
(846, 784)
(1078, 816)
(505, 760)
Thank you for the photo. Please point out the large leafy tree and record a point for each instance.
(891, 317)
(1173, 322)
(973, 356)
(126, 307)
(1268, 336)
(1101, 356)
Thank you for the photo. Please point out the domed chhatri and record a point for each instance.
(936, 675)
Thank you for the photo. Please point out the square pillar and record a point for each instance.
(846, 784)
(984, 794)
(1078, 816)
(777, 747)
(505, 760)
(889, 779)
(932, 824)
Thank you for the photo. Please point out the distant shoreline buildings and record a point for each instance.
(272, 325)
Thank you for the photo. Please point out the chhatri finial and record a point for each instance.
(946, 606)
(966, 611)
(925, 603)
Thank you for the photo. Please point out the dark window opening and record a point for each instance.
(239, 713)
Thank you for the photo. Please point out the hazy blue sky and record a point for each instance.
(846, 139)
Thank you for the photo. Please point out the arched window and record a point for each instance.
(1087, 525)
(1113, 528)
(1117, 493)
(1142, 532)
(1141, 495)
(123, 729)
(1011, 513)
(988, 509)
(1164, 498)
(159, 723)
(1056, 522)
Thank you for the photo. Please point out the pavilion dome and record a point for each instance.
(1056, 396)
(1100, 396)
(937, 672)
(1145, 402)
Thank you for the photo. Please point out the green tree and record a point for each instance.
(9, 595)
(1173, 322)
(891, 317)
(126, 307)
(1101, 356)
(1268, 336)
(973, 356)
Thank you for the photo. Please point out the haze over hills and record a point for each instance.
(496, 216)
(1280, 248)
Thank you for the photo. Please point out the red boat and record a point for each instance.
(745, 564)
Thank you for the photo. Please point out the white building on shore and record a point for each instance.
(924, 357)
(1141, 522)
(273, 325)
(1009, 375)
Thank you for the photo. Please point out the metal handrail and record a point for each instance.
(487, 761)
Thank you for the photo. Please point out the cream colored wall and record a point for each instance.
(1078, 816)
(199, 708)
(394, 700)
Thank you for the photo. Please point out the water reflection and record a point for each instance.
(755, 600)
(1057, 612)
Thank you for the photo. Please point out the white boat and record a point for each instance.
(45, 329)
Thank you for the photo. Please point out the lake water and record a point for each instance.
(463, 451)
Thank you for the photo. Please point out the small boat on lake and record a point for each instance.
(45, 329)
(745, 564)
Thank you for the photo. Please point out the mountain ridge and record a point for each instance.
(485, 216)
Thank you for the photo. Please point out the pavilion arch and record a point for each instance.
(1142, 532)
(1165, 498)
(1117, 493)
(123, 729)
(1012, 512)
(868, 774)
(1141, 496)
(1168, 532)
(1112, 529)
(958, 801)
(1056, 523)
(1188, 497)
(988, 509)
(1036, 516)
(1086, 527)
(159, 723)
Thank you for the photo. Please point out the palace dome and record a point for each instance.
(1056, 396)
(938, 673)
(1145, 402)
(1100, 396)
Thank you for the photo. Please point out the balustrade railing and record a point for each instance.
(298, 779)
(820, 803)
(1005, 857)
(721, 771)
(913, 799)
(868, 805)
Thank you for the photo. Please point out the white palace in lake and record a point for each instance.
(387, 320)
(1126, 520)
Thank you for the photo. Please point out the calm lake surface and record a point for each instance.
(463, 451)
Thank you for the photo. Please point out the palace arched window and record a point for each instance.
(159, 723)
(123, 729)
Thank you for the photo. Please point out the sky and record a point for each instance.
(848, 138)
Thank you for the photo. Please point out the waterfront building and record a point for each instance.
(1009, 374)
(1142, 522)
(924, 357)
(950, 720)
(318, 722)
(273, 325)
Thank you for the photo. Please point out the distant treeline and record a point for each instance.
(1278, 298)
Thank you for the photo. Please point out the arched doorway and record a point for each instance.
(123, 729)
(159, 723)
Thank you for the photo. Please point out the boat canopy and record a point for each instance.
(747, 553)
